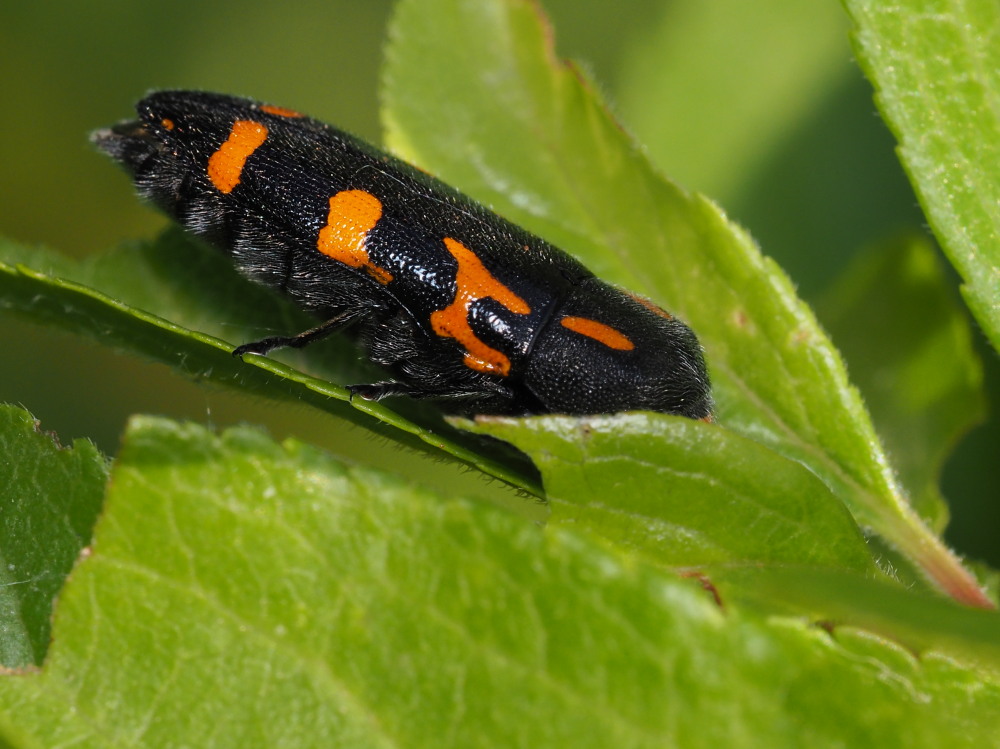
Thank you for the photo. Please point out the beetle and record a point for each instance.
(458, 303)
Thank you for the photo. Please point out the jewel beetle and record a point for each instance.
(458, 303)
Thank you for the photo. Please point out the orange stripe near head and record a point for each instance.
(225, 166)
(279, 111)
(473, 282)
(599, 332)
(353, 213)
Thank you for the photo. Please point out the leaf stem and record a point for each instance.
(935, 560)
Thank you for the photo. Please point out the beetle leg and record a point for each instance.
(264, 345)
(376, 391)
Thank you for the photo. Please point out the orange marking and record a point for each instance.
(225, 166)
(167, 123)
(353, 213)
(279, 111)
(472, 283)
(654, 308)
(599, 332)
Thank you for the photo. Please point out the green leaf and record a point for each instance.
(909, 346)
(935, 66)
(684, 493)
(242, 593)
(474, 92)
(50, 500)
(712, 88)
(761, 106)
(177, 302)
(918, 621)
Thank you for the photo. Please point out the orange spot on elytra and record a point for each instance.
(279, 111)
(353, 213)
(599, 332)
(225, 166)
(167, 123)
(654, 308)
(472, 283)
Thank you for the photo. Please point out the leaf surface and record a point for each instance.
(684, 493)
(474, 93)
(935, 66)
(177, 302)
(909, 345)
(245, 593)
(49, 501)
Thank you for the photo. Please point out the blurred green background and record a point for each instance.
(759, 105)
